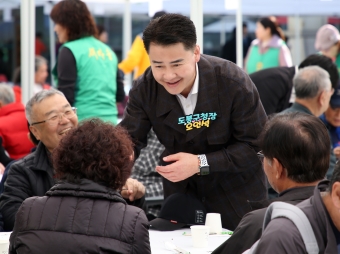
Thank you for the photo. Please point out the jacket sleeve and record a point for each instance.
(17, 189)
(4, 159)
(136, 119)
(67, 74)
(285, 58)
(134, 56)
(141, 237)
(140, 203)
(247, 119)
(248, 231)
(120, 94)
(281, 237)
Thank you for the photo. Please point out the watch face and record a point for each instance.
(204, 171)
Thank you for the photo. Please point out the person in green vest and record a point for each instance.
(327, 42)
(86, 68)
(269, 49)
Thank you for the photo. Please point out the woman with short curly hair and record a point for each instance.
(85, 212)
(86, 71)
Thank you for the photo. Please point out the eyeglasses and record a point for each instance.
(261, 156)
(54, 120)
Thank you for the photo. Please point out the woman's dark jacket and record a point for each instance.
(79, 218)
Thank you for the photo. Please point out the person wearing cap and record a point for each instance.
(331, 118)
(137, 58)
(208, 115)
(327, 43)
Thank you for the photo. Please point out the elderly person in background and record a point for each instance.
(50, 117)
(13, 124)
(313, 90)
(331, 118)
(327, 42)
(93, 162)
(40, 75)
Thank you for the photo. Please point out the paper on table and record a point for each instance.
(158, 238)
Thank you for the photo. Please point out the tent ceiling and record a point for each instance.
(249, 7)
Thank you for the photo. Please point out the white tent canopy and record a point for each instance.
(249, 7)
(195, 8)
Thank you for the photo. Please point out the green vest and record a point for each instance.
(257, 61)
(96, 85)
(337, 62)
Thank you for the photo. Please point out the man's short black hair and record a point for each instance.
(300, 142)
(170, 29)
(325, 63)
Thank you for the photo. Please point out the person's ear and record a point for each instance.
(35, 132)
(197, 53)
(279, 169)
(322, 98)
(335, 195)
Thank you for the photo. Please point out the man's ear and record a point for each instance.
(335, 195)
(35, 132)
(279, 169)
(322, 98)
(197, 53)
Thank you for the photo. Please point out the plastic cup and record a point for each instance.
(213, 221)
(199, 235)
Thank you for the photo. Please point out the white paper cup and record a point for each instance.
(4, 242)
(199, 235)
(213, 221)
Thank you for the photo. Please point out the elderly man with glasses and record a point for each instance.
(50, 117)
(295, 158)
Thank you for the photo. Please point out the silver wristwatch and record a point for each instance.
(203, 165)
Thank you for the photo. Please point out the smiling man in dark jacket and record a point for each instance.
(50, 117)
(295, 158)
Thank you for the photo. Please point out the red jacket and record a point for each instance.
(13, 130)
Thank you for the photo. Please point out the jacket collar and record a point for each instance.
(85, 189)
(42, 159)
(168, 104)
(292, 194)
(300, 108)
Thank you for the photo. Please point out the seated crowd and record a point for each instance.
(83, 187)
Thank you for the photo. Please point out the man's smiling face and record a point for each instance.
(50, 135)
(174, 67)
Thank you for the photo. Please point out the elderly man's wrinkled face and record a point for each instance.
(50, 132)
